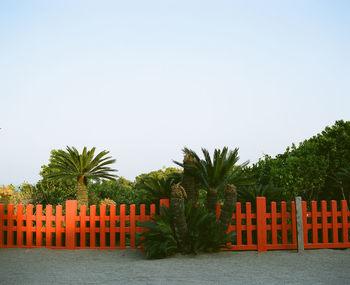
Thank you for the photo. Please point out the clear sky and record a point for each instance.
(143, 79)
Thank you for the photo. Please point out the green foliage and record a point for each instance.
(203, 233)
(154, 188)
(157, 174)
(312, 170)
(251, 192)
(218, 172)
(46, 192)
(71, 165)
(114, 190)
(159, 241)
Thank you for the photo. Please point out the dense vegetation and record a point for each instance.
(318, 168)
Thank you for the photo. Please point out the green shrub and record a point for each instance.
(118, 192)
(203, 233)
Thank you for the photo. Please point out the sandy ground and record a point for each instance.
(46, 266)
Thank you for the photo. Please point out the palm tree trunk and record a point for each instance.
(82, 193)
(177, 207)
(228, 208)
(212, 200)
(189, 182)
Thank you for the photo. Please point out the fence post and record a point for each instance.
(300, 229)
(261, 223)
(71, 212)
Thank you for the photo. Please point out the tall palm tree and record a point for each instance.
(70, 165)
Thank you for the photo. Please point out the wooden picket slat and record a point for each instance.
(249, 223)
(305, 224)
(334, 221)
(92, 228)
(345, 224)
(314, 222)
(239, 223)
(20, 210)
(274, 222)
(294, 224)
(112, 229)
(103, 226)
(132, 226)
(122, 226)
(83, 220)
(284, 222)
(10, 224)
(29, 225)
(48, 225)
(58, 226)
(38, 224)
(324, 222)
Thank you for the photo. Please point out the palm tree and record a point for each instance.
(70, 165)
(214, 174)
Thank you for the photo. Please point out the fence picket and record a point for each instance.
(239, 223)
(112, 229)
(38, 225)
(10, 224)
(324, 222)
(48, 227)
(29, 225)
(294, 224)
(284, 222)
(132, 226)
(19, 242)
(314, 222)
(122, 226)
(58, 225)
(249, 223)
(334, 221)
(345, 224)
(92, 228)
(274, 223)
(83, 220)
(103, 226)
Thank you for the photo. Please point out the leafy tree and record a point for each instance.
(313, 169)
(114, 190)
(161, 173)
(80, 168)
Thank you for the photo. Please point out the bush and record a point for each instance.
(119, 193)
(203, 233)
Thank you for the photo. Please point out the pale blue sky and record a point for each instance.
(143, 79)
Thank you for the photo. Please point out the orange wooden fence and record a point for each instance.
(268, 227)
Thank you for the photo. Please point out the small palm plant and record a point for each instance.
(155, 188)
(214, 174)
(70, 165)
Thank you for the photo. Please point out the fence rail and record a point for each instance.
(116, 227)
